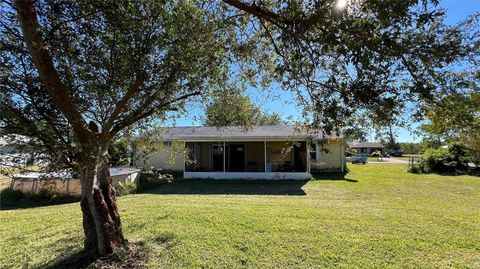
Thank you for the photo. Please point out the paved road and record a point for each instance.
(394, 160)
(391, 160)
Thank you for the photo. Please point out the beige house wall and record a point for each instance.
(163, 157)
(333, 160)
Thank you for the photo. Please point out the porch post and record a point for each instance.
(265, 156)
(185, 157)
(307, 146)
(224, 149)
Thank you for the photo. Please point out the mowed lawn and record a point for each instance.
(379, 216)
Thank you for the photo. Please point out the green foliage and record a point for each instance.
(410, 148)
(376, 153)
(454, 117)
(155, 178)
(9, 195)
(445, 160)
(126, 188)
(233, 107)
(119, 152)
(10, 198)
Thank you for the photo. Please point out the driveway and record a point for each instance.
(391, 160)
(394, 160)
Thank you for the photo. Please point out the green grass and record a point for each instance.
(377, 216)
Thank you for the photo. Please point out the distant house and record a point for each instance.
(259, 152)
(367, 148)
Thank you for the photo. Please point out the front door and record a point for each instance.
(237, 158)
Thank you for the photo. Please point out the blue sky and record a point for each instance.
(283, 102)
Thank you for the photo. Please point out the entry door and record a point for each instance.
(237, 158)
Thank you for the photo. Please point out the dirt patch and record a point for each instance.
(133, 255)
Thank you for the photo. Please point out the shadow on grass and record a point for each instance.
(133, 255)
(332, 176)
(79, 259)
(233, 187)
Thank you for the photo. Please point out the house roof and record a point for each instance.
(366, 145)
(211, 133)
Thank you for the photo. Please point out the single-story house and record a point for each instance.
(367, 148)
(258, 152)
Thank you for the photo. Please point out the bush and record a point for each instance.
(376, 153)
(445, 160)
(16, 198)
(126, 188)
(155, 178)
(10, 194)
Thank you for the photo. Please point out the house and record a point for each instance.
(259, 152)
(367, 148)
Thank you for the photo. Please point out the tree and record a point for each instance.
(387, 135)
(455, 117)
(233, 108)
(410, 148)
(86, 71)
(369, 56)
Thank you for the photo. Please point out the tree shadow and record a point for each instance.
(26, 202)
(231, 187)
(332, 176)
(75, 260)
(132, 255)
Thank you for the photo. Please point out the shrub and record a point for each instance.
(376, 153)
(126, 188)
(154, 178)
(445, 160)
(9, 194)
(16, 198)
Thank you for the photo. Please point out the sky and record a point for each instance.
(283, 102)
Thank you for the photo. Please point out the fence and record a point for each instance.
(38, 182)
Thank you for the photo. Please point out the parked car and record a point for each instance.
(395, 153)
(359, 159)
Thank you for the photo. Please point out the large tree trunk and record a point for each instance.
(101, 221)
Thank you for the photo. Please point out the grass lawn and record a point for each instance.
(377, 216)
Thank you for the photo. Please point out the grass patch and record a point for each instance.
(374, 216)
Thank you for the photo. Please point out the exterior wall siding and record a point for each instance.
(332, 160)
(166, 157)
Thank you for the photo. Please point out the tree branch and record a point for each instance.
(48, 73)
(136, 86)
(136, 117)
(261, 13)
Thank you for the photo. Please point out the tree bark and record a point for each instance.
(101, 221)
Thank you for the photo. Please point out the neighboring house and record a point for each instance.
(259, 152)
(367, 148)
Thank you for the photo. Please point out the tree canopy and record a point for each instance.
(233, 107)
(456, 117)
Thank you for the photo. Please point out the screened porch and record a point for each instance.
(258, 156)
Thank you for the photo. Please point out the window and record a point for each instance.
(167, 143)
